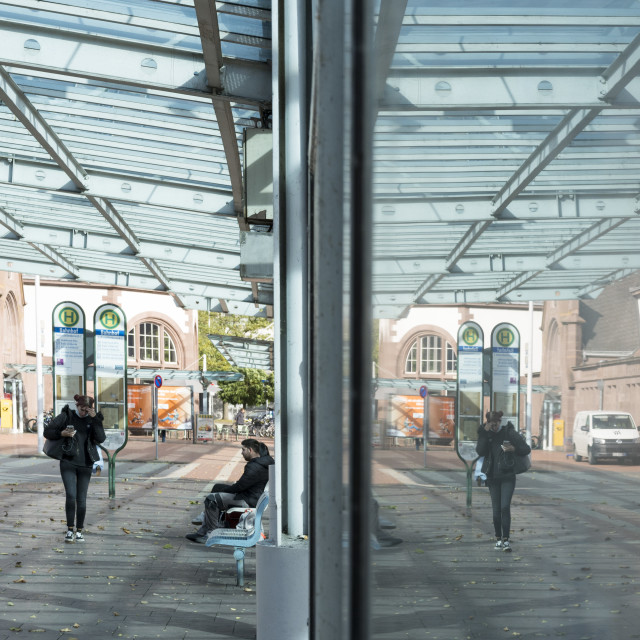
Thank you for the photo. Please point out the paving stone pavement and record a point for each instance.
(574, 572)
(135, 576)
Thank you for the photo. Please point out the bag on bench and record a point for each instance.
(237, 518)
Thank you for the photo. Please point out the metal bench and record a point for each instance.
(240, 539)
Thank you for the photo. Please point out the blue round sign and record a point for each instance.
(158, 381)
(424, 391)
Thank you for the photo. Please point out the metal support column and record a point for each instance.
(363, 109)
(39, 381)
(327, 160)
(284, 612)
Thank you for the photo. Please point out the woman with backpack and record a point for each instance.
(500, 445)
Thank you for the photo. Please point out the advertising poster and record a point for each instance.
(140, 406)
(204, 431)
(68, 353)
(174, 408)
(407, 413)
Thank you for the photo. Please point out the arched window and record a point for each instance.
(151, 343)
(427, 357)
(9, 323)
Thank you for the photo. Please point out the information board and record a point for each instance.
(110, 352)
(505, 372)
(470, 400)
(68, 325)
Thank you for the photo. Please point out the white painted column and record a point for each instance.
(529, 375)
(39, 381)
(284, 559)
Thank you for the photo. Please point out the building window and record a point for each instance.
(452, 358)
(149, 343)
(430, 354)
(169, 350)
(426, 356)
(131, 344)
(412, 359)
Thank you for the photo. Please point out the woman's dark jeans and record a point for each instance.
(501, 492)
(76, 484)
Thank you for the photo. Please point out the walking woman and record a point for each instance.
(83, 429)
(499, 444)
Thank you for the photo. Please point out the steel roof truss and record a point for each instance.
(622, 71)
(126, 18)
(36, 125)
(583, 239)
(210, 36)
(593, 289)
(437, 90)
(11, 224)
(538, 206)
(56, 258)
(555, 142)
(109, 59)
(109, 213)
(127, 188)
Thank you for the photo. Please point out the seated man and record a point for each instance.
(243, 493)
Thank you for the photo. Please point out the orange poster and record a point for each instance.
(174, 407)
(407, 413)
(139, 406)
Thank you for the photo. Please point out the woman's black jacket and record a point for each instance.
(89, 433)
(490, 446)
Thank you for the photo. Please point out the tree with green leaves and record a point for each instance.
(256, 389)
(228, 325)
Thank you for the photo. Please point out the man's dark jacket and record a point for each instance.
(252, 482)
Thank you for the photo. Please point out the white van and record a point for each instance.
(605, 434)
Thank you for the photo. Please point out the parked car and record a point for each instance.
(605, 434)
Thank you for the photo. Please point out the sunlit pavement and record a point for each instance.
(573, 572)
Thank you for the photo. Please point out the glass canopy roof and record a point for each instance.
(506, 148)
(245, 353)
(120, 144)
(506, 151)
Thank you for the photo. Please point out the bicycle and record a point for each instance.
(267, 430)
(32, 424)
(535, 440)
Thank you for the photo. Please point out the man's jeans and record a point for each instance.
(214, 505)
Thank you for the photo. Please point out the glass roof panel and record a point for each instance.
(113, 167)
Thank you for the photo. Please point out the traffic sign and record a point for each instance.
(158, 381)
(424, 391)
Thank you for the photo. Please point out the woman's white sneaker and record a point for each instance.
(79, 536)
(506, 546)
(498, 546)
(68, 537)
